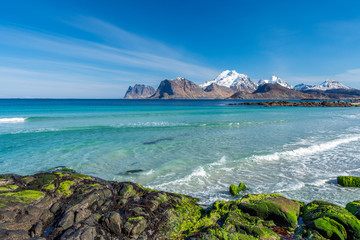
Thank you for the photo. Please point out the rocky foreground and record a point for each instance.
(302, 104)
(68, 205)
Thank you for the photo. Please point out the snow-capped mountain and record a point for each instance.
(302, 86)
(275, 80)
(327, 85)
(233, 80)
(330, 84)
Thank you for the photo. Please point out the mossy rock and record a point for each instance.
(284, 212)
(235, 190)
(128, 191)
(24, 197)
(43, 180)
(8, 188)
(79, 176)
(338, 215)
(348, 181)
(64, 187)
(328, 228)
(185, 219)
(246, 224)
(354, 208)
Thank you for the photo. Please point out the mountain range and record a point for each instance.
(233, 85)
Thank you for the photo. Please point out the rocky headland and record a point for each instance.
(67, 205)
(139, 91)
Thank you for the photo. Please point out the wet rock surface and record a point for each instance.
(68, 205)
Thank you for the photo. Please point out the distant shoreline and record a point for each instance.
(282, 103)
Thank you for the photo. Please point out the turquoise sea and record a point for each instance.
(192, 147)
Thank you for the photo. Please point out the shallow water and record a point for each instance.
(191, 147)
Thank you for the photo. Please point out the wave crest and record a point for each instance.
(304, 151)
(12, 120)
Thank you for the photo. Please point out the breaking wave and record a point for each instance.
(304, 151)
(12, 120)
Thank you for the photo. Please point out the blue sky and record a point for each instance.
(96, 49)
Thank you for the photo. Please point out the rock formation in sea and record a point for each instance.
(139, 91)
(67, 205)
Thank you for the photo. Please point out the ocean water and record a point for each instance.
(191, 147)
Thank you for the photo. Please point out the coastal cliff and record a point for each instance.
(139, 91)
(68, 205)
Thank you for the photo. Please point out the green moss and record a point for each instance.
(25, 196)
(127, 192)
(321, 209)
(235, 190)
(66, 193)
(23, 179)
(329, 228)
(251, 198)
(4, 177)
(147, 189)
(184, 219)
(162, 198)
(226, 235)
(354, 208)
(60, 174)
(79, 176)
(65, 169)
(282, 211)
(136, 218)
(64, 187)
(348, 181)
(8, 188)
(49, 187)
(44, 180)
(94, 184)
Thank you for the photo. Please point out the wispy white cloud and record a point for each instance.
(122, 57)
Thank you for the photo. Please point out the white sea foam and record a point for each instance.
(294, 187)
(149, 124)
(37, 130)
(196, 174)
(12, 120)
(353, 116)
(305, 151)
(319, 182)
(149, 172)
(222, 161)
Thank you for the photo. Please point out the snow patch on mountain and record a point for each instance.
(330, 84)
(326, 85)
(275, 80)
(302, 86)
(233, 80)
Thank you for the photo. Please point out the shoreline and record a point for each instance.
(68, 205)
(282, 103)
